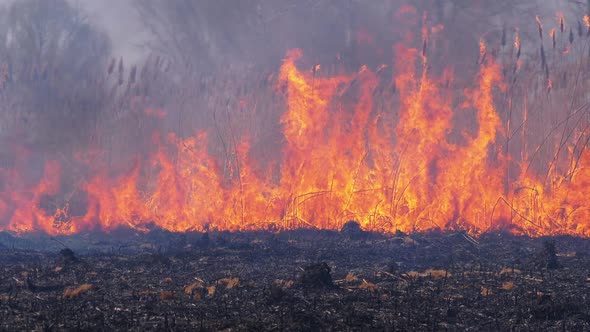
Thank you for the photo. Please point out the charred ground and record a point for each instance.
(299, 280)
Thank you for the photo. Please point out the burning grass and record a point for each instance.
(401, 147)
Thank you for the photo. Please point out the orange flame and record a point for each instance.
(540, 25)
(482, 50)
(517, 45)
(436, 161)
(561, 21)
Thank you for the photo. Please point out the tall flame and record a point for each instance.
(435, 160)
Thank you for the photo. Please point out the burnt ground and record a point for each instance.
(294, 281)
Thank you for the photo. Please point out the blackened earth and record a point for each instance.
(304, 280)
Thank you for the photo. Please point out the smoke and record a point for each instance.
(145, 80)
(121, 21)
(289, 22)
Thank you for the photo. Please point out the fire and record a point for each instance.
(517, 46)
(436, 161)
(483, 49)
(540, 26)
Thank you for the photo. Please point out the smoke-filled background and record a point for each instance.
(98, 85)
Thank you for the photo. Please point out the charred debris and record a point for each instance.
(303, 280)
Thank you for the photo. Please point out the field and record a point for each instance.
(303, 280)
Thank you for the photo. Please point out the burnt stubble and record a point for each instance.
(304, 280)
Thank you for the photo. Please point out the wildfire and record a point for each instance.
(343, 157)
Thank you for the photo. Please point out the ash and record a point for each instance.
(304, 280)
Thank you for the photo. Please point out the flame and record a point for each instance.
(517, 47)
(158, 113)
(435, 160)
(540, 26)
(437, 29)
(483, 49)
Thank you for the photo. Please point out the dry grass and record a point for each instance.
(486, 291)
(229, 282)
(509, 271)
(199, 290)
(166, 296)
(508, 285)
(350, 278)
(190, 289)
(430, 273)
(438, 273)
(284, 283)
(71, 293)
(371, 287)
